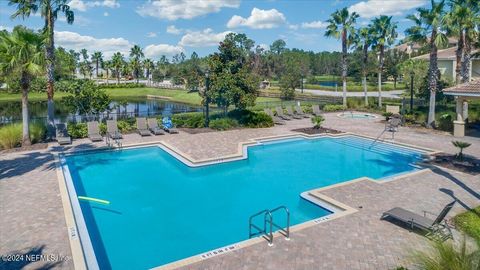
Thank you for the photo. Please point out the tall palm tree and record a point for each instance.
(97, 57)
(461, 22)
(135, 66)
(84, 54)
(363, 40)
(428, 27)
(136, 52)
(107, 65)
(117, 63)
(49, 11)
(149, 66)
(385, 32)
(341, 25)
(22, 54)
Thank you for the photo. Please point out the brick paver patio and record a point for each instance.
(32, 218)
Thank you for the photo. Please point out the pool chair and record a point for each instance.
(62, 134)
(300, 112)
(280, 114)
(94, 131)
(275, 119)
(437, 228)
(112, 130)
(153, 126)
(316, 110)
(168, 125)
(291, 113)
(392, 124)
(142, 127)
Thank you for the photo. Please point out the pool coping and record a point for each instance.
(82, 260)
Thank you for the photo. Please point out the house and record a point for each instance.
(447, 61)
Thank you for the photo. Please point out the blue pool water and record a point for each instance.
(162, 210)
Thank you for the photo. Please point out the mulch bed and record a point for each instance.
(321, 130)
(469, 165)
(37, 146)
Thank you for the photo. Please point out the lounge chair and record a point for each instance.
(112, 130)
(168, 125)
(62, 134)
(436, 228)
(142, 127)
(392, 124)
(153, 126)
(275, 119)
(300, 112)
(291, 113)
(316, 110)
(94, 131)
(280, 114)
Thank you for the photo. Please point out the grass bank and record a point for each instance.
(174, 95)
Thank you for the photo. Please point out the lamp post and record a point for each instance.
(412, 74)
(302, 83)
(207, 98)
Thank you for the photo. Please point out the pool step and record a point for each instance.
(268, 224)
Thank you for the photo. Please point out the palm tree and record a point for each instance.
(148, 65)
(136, 52)
(84, 54)
(363, 40)
(97, 57)
(428, 27)
(22, 54)
(384, 32)
(135, 66)
(341, 25)
(107, 65)
(49, 11)
(461, 22)
(117, 63)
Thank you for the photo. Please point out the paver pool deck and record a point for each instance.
(33, 222)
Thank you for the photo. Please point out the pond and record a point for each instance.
(11, 111)
(328, 83)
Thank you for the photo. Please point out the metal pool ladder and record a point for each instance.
(269, 225)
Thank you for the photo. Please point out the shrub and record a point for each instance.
(77, 130)
(410, 118)
(189, 120)
(126, 125)
(251, 119)
(445, 122)
(11, 135)
(223, 123)
(333, 108)
(317, 121)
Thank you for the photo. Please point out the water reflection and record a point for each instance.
(11, 111)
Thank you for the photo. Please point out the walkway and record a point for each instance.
(33, 220)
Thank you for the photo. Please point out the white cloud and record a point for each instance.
(264, 46)
(314, 25)
(259, 19)
(8, 28)
(293, 26)
(108, 46)
(171, 29)
(183, 9)
(156, 51)
(151, 34)
(203, 38)
(106, 14)
(83, 5)
(373, 8)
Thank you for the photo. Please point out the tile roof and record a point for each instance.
(471, 88)
(445, 54)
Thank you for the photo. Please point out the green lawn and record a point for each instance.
(119, 93)
(469, 222)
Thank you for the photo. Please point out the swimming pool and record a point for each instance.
(163, 210)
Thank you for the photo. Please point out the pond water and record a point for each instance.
(328, 83)
(11, 111)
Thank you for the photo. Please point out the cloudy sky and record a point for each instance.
(167, 27)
